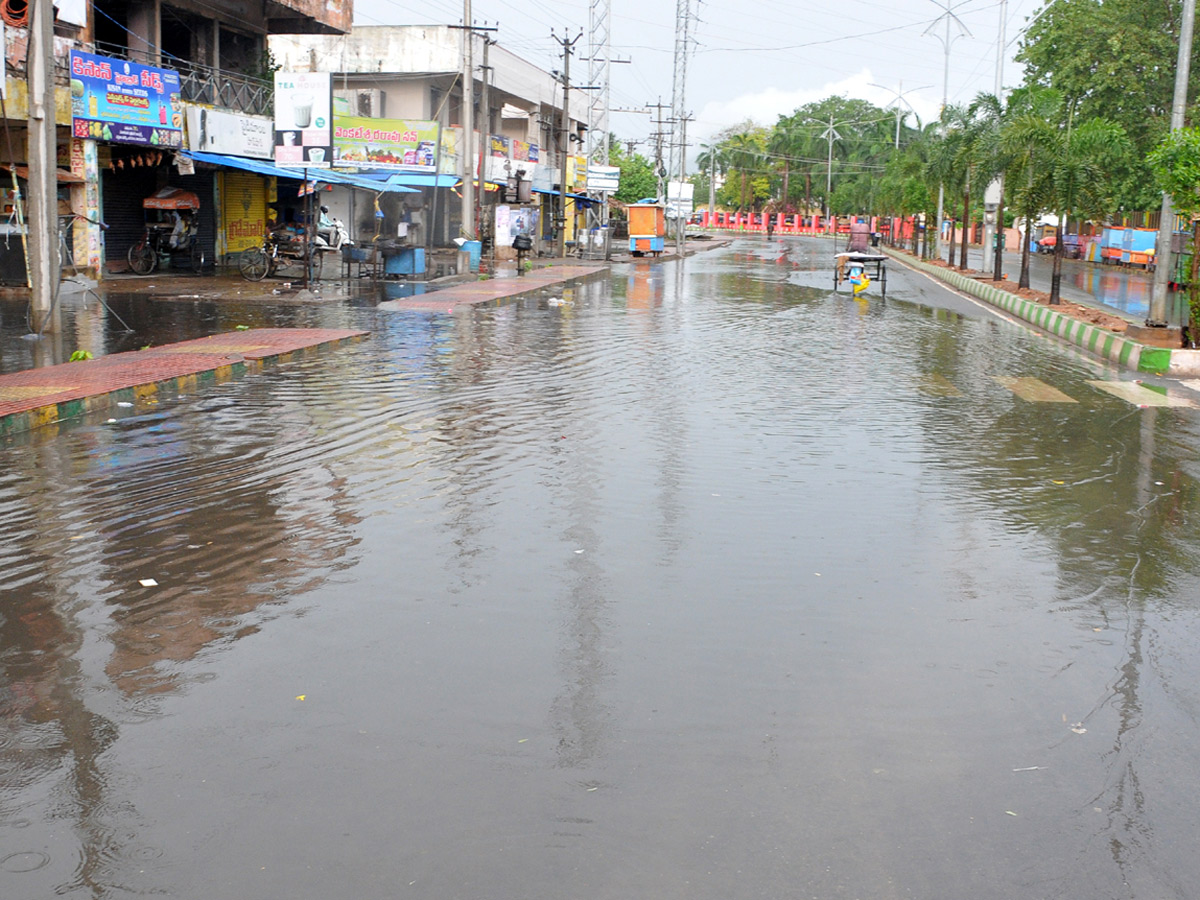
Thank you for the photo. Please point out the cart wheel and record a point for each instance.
(253, 264)
(142, 258)
(196, 257)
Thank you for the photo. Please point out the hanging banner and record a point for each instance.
(303, 120)
(125, 103)
(385, 145)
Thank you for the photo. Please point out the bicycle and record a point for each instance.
(280, 251)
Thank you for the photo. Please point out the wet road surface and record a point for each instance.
(704, 583)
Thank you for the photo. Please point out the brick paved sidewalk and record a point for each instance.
(493, 290)
(36, 397)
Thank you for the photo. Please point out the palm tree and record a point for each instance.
(1080, 161)
(1061, 166)
(1025, 139)
(992, 159)
(745, 152)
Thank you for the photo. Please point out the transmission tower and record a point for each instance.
(599, 65)
(678, 162)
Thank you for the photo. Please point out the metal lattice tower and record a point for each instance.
(683, 23)
(599, 66)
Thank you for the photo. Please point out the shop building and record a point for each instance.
(202, 74)
(412, 74)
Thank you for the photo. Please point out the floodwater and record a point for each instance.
(1126, 290)
(706, 583)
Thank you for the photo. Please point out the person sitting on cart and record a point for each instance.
(180, 229)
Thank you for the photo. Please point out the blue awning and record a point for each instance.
(417, 179)
(582, 197)
(324, 176)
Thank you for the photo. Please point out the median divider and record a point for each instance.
(1092, 338)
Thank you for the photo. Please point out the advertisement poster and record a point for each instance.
(514, 220)
(303, 120)
(385, 145)
(124, 103)
(217, 131)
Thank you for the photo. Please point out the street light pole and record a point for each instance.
(1162, 252)
(948, 15)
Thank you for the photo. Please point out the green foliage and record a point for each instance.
(637, 175)
(1175, 163)
(1113, 59)
(80, 356)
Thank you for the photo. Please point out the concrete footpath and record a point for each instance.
(37, 397)
(1095, 339)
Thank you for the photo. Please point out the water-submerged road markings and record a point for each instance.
(1033, 390)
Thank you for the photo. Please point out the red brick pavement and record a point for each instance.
(40, 396)
(493, 290)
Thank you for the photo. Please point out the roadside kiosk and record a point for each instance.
(647, 228)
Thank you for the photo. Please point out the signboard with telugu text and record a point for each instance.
(234, 134)
(385, 145)
(124, 102)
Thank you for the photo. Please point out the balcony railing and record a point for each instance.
(204, 84)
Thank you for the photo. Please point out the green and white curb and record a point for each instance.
(1092, 338)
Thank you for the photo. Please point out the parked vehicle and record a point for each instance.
(283, 249)
(172, 233)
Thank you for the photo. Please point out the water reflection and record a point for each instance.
(703, 565)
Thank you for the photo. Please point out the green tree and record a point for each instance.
(1175, 163)
(637, 174)
(1114, 59)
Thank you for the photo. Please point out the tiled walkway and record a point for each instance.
(494, 290)
(37, 397)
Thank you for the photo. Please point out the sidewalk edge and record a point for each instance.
(1091, 338)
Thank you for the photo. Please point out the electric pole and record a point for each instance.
(949, 17)
(468, 122)
(1166, 230)
(43, 221)
(567, 45)
(485, 127)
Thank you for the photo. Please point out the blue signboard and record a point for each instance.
(124, 102)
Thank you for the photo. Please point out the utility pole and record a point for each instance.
(993, 197)
(1166, 230)
(657, 136)
(485, 127)
(468, 123)
(948, 16)
(567, 45)
(899, 95)
(831, 135)
(43, 221)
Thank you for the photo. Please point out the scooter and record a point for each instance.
(332, 236)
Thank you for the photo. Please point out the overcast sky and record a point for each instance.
(753, 58)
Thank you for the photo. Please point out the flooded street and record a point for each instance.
(706, 583)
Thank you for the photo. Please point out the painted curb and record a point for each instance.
(52, 413)
(1091, 338)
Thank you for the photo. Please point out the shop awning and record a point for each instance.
(64, 176)
(323, 176)
(581, 197)
(417, 180)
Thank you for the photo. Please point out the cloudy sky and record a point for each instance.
(755, 59)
